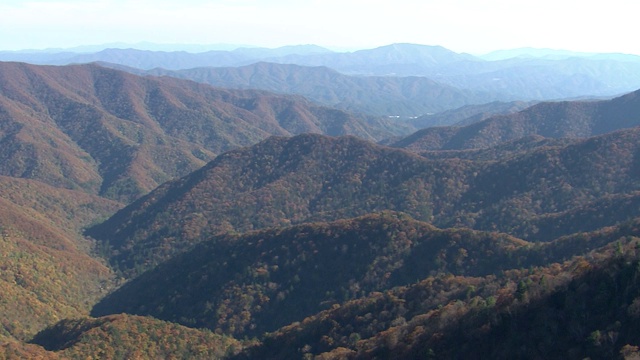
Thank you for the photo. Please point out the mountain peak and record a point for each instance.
(415, 53)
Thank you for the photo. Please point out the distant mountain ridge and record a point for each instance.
(395, 59)
(511, 78)
(529, 52)
(142, 54)
(567, 119)
(374, 95)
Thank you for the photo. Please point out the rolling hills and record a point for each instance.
(278, 182)
(469, 114)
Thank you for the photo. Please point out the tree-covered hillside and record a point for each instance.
(284, 181)
(119, 135)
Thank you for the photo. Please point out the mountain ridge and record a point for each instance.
(264, 280)
(374, 95)
(120, 135)
(566, 119)
(284, 181)
(293, 272)
(522, 313)
(511, 79)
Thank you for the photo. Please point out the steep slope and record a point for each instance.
(586, 307)
(374, 95)
(258, 282)
(607, 210)
(568, 119)
(503, 151)
(278, 182)
(14, 350)
(47, 273)
(553, 180)
(119, 135)
(50, 216)
(132, 337)
(41, 285)
(311, 177)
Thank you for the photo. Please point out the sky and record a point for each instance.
(471, 26)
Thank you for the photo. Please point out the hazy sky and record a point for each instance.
(460, 25)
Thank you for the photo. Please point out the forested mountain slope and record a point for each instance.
(270, 218)
(370, 277)
(132, 337)
(249, 284)
(585, 307)
(284, 181)
(119, 135)
(47, 272)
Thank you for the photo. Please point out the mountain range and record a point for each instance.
(146, 216)
(373, 95)
(511, 78)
